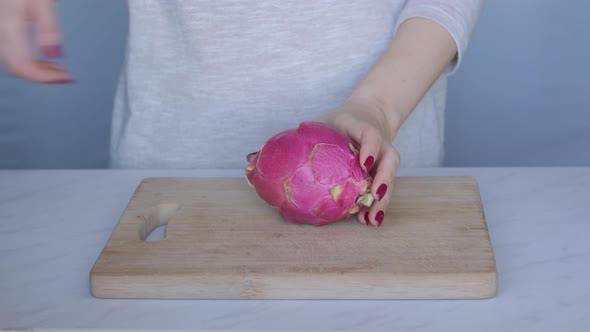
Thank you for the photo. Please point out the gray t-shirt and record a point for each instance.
(207, 82)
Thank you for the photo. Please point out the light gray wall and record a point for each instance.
(521, 98)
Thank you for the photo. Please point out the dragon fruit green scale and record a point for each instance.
(310, 175)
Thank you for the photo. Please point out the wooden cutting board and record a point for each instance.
(223, 242)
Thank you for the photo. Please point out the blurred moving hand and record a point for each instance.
(20, 52)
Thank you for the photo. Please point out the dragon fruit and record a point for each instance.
(310, 175)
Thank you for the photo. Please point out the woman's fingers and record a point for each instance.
(380, 156)
(370, 140)
(363, 217)
(376, 154)
(14, 44)
(383, 183)
(387, 165)
(49, 37)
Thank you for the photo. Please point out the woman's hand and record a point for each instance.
(16, 53)
(365, 123)
(383, 100)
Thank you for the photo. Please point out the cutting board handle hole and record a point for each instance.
(158, 234)
(154, 223)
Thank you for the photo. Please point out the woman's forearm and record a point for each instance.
(415, 58)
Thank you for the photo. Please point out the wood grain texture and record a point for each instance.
(224, 242)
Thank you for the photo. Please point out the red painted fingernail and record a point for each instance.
(367, 218)
(381, 191)
(53, 51)
(379, 217)
(369, 162)
(61, 81)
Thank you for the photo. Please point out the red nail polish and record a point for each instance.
(381, 191)
(61, 81)
(367, 218)
(379, 217)
(369, 162)
(53, 51)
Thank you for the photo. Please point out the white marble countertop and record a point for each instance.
(54, 224)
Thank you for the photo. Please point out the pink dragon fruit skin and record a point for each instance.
(310, 175)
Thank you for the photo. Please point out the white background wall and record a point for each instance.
(522, 97)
